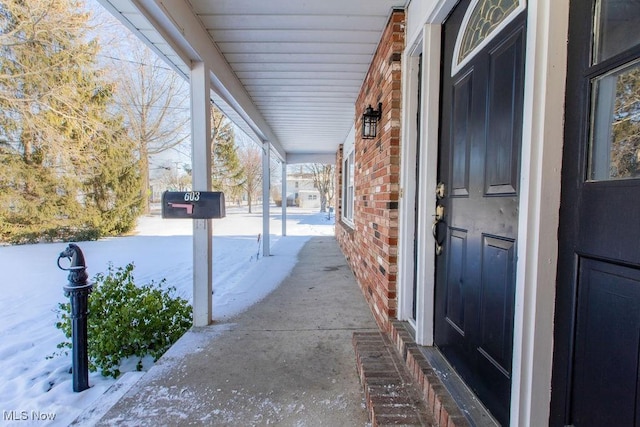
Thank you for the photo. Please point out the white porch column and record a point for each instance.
(266, 178)
(284, 199)
(201, 177)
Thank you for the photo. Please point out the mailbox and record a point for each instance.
(193, 204)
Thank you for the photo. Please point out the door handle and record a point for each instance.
(439, 219)
(441, 190)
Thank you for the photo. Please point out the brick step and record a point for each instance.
(391, 396)
(439, 383)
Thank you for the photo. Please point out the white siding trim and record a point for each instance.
(543, 133)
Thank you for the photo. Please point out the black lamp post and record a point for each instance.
(78, 290)
(370, 119)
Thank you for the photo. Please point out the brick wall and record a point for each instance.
(372, 245)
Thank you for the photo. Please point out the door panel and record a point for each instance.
(479, 161)
(605, 386)
(498, 280)
(455, 281)
(613, 216)
(462, 90)
(597, 318)
(504, 133)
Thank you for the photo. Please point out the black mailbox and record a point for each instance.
(193, 204)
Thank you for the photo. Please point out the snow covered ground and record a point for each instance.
(35, 390)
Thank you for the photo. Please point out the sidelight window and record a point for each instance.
(616, 28)
(615, 133)
(614, 143)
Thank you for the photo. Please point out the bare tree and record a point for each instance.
(151, 96)
(154, 101)
(323, 180)
(172, 179)
(625, 127)
(251, 159)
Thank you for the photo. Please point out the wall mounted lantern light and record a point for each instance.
(370, 119)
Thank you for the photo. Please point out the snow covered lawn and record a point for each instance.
(33, 389)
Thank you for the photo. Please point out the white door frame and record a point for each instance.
(428, 44)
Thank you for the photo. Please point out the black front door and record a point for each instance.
(479, 167)
(596, 367)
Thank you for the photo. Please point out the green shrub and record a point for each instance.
(18, 235)
(126, 320)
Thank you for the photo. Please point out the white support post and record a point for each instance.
(284, 199)
(266, 178)
(201, 162)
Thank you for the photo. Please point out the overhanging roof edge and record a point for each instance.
(176, 23)
(108, 6)
(225, 80)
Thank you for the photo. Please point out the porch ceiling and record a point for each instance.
(286, 71)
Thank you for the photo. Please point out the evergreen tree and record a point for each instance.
(55, 123)
(226, 170)
(112, 183)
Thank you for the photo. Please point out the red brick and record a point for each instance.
(377, 169)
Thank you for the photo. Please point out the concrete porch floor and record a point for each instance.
(288, 360)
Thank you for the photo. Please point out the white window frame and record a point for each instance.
(348, 187)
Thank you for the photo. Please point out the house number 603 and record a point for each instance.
(192, 196)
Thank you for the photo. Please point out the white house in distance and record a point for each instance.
(302, 189)
(488, 199)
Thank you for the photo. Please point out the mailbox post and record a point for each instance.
(78, 291)
(200, 205)
(193, 204)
